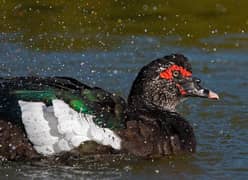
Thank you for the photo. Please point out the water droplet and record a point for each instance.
(221, 132)
(157, 171)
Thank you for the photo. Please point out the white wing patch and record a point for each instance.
(57, 128)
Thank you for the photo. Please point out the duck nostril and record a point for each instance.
(198, 81)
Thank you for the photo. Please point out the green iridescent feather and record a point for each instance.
(49, 95)
(33, 95)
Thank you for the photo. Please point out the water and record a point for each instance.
(220, 127)
(219, 59)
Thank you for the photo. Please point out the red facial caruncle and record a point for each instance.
(168, 73)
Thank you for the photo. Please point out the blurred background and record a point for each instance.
(105, 43)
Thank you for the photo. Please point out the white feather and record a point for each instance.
(37, 127)
(59, 128)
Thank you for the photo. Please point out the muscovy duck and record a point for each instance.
(50, 115)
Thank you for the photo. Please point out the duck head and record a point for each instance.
(164, 83)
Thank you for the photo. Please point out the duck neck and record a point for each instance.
(143, 95)
(152, 115)
(141, 102)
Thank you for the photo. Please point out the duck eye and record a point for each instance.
(175, 74)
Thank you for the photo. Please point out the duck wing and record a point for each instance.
(107, 108)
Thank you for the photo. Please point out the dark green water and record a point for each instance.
(105, 43)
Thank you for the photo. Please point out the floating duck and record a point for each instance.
(51, 115)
